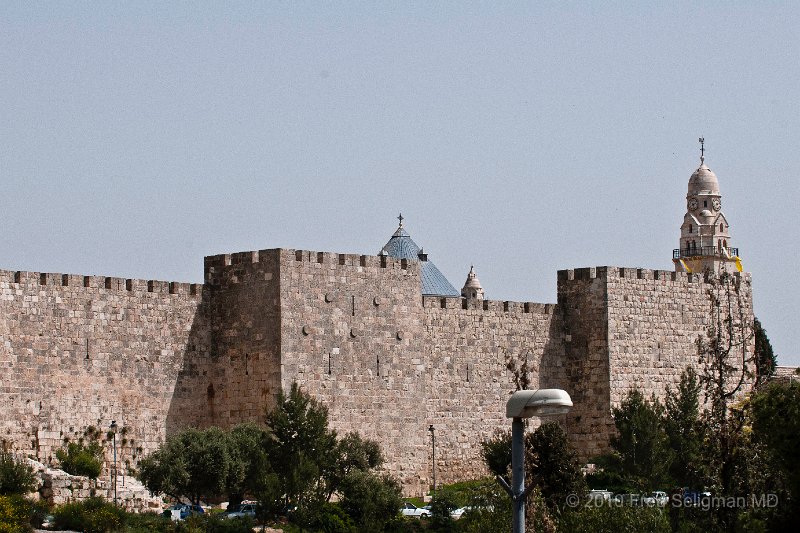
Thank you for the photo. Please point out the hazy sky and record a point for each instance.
(522, 138)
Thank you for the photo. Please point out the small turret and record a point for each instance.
(472, 287)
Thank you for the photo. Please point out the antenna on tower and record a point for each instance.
(702, 149)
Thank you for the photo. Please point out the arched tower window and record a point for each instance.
(690, 228)
(725, 243)
(721, 227)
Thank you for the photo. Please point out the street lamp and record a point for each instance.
(114, 477)
(525, 404)
(433, 446)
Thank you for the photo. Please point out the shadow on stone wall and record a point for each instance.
(194, 402)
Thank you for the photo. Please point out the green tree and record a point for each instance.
(725, 360)
(775, 412)
(765, 359)
(496, 452)
(685, 431)
(301, 448)
(372, 501)
(249, 467)
(352, 454)
(193, 464)
(553, 464)
(16, 476)
(641, 442)
(81, 459)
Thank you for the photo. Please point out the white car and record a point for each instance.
(456, 513)
(600, 495)
(409, 509)
(245, 509)
(656, 498)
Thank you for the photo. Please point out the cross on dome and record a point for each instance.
(702, 151)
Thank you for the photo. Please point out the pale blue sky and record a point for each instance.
(522, 138)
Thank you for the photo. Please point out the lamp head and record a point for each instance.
(541, 402)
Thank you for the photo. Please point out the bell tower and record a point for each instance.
(705, 242)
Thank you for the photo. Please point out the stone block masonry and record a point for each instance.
(80, 351)
(355, 331)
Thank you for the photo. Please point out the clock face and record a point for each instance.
(693, 204)
(716, 204)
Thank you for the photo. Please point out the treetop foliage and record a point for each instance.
(16, 476)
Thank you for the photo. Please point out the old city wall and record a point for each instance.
(469, 345)
(655, 318)
(352, 334)
(243, 374)
(582, 299)
(79, 351)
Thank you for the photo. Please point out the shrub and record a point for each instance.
(370, 500)
(93, 515)
(15, 514)
(614, 519)
(16, 477)
(151, 522)
(214, 523)
(81, 459)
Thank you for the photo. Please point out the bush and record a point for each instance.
(324, 517)
(371, 501)
(151, 522)
(79, 459)
(214, 523)
(614, 519)
(16, 477)
(15, 514)
(93, 515)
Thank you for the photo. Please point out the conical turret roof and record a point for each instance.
(402, 246)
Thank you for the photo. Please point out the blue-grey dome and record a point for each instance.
(402, 246)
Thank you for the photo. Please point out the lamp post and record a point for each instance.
(433, 447)
(525, 404)
(114, 476)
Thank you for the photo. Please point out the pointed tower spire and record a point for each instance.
(472, 287)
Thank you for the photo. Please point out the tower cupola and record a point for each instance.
(705, 242)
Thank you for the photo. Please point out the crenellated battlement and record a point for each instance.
(495, 306)
(608, 273)
(51, 279)
(214, 265)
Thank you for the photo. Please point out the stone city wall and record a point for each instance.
(655, 318)
(354, 331)
(469, 344)
(582, 298)
(79, 351)
(352, 336)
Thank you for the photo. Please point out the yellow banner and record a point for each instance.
(738, 263)
(686, 268)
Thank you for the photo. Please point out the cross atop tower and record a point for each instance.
(702, 149)
(400, 218)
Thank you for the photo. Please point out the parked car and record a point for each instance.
(455, 514)
(242, 510)
(597, 494)
(656, 498)
(409, 509)
(180, 511)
